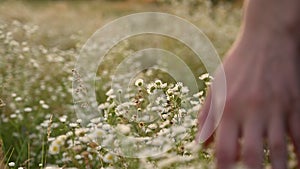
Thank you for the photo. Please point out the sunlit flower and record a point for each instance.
(42, 102)
(110, 92)
(52, 167)
(103, 106)
(108, 158)
(27, 109)
(11, 164)
(139, 82)
(185, 90)
(63, 118)
(78, 121)
(96, 120)
(54, 148)
(150, 88)
(18, 99)
(97, 133)
(45, 106)
(204, 76)
(152, 126)
(73, 125)
(80, 132)
(199, 94)
(13, 116)
(60, 140)
(158, 83)
(124, 129)
(85, 139)
(78, 157)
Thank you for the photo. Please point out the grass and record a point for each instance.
(39, 42)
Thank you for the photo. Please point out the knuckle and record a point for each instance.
(256, 99)
(247, 99)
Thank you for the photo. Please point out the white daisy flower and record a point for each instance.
(11, 164)
(63, 118)
(139, 82)
(78, 157)
(98, 133)
(18, 99)
(60, 140)
(152, 126)
(122, 128)
(73, 125)
(54, 148)
(27, 109)
(45, 106)
(108, 158)
(185, 90)
(204, 76)
(158, 83)
(110, 92)
(151, 87)
(80, 132)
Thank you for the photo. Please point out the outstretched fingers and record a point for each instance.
(227, 144)
(252, 143)
(204, 121)
(294, 129)
(277, 141)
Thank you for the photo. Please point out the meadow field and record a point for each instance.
(40, 42)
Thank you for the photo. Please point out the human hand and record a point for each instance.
(262, 102)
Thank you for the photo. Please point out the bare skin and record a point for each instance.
(263, 88)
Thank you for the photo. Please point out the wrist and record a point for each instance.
(280, 18)
(266, 45)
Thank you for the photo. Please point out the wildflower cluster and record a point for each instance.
(153, 118)
(34, 81)
(157, 120)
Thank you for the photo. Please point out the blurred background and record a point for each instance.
(61, 22)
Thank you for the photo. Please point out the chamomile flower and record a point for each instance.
(110, 92)
(122, 128)
(80, 132)
(63, 118)
(151, 87)
(45, 106)
(73, 125)
(60, 140)
(98, 133)
(27, 109)
(158, 83)
(204, 76)
(152, 126)
(11, 164)
(108, 158)
(139, 82)
(54, 148)
(17, 99)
